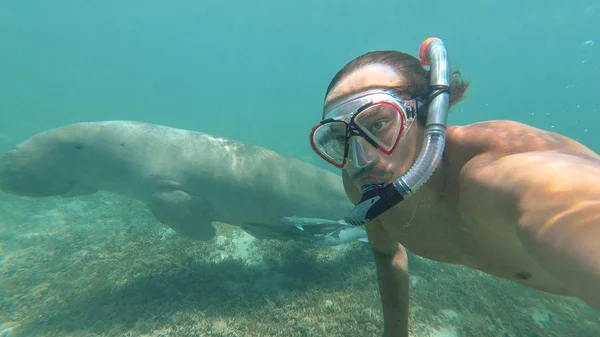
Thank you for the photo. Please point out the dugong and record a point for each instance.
(186, 178)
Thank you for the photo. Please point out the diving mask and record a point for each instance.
(378, 118)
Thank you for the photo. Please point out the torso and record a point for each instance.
(450, 225)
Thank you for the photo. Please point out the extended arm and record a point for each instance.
(554, 200)
(391, 262)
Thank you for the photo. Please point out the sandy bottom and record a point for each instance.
(103, 266)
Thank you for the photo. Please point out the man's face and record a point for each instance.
(366, 166)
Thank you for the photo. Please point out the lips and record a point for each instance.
(371, 176)
(371, 181)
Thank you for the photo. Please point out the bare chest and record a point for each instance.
(479, 242)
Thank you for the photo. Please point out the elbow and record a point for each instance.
(397, 258)
(400, 259)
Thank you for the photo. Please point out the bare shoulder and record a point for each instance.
(509, 137)
(515, 187)
(534, 172)
(504, 163)
(513, 149)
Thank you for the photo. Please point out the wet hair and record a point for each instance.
(408, 66)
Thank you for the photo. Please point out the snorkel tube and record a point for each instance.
(376, 201)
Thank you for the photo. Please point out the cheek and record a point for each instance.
(349, 171)
(401, 159)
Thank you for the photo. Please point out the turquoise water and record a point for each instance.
(257, 72)
(267, 64)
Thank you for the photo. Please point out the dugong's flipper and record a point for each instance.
(186, 214)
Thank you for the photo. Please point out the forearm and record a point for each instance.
(392, 275)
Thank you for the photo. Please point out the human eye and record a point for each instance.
(378, 125)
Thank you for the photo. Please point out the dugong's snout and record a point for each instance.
(26, 174)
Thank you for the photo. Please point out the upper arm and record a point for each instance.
(553, 200)
(534, 190)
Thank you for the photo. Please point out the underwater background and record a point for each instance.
(256, 72)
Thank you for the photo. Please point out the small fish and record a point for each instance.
(339, 232)
(343, 235)
(299, 222)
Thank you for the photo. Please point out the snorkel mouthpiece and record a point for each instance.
(376, 201)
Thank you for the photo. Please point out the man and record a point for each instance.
(507, 199)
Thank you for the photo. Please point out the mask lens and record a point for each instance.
(329, 140)
(383, 123)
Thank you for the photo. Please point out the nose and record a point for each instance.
(361, 154)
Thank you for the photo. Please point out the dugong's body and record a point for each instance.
(186, 178)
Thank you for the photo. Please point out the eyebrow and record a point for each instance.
(368, 113)
(399, 90)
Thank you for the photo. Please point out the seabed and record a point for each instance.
(103, 266)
